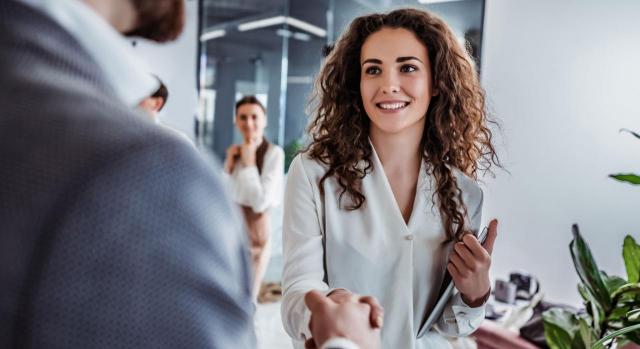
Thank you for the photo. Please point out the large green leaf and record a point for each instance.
(631, 255)
(588, 271)
(634, 315)
(560, 328)
(626, 177)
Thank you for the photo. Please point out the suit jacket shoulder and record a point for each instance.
(113, 232)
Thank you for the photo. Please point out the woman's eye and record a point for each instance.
(372, 70)
(408, 68)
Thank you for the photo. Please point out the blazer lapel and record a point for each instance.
(384, 195)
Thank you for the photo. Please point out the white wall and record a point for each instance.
(563, 77)
(175, 64)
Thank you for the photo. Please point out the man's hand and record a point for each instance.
(469, 266)
(349, 319)
(377, 312)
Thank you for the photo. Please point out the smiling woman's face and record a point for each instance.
(395, 80)
(251, 121)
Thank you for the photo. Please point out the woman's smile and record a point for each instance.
(392, 107)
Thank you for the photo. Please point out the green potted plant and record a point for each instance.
(612, 304)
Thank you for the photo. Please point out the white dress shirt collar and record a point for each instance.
(126, 73)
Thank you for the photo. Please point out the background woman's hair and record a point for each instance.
(455, 133)
(250, 100)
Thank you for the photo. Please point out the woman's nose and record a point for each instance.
(390, 84)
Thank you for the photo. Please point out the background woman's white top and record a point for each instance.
(259, 191)
(371, 251)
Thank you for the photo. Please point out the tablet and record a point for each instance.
(445, 292)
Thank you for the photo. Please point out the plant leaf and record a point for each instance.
(626, 290)
(587, 333)
(614, 334)
(588, 271)
(560, 328)
(629, 131)
(626, 177)
(633, 336)
(592, 307)
(613, 282)
(618, 313)
(584, 293)
(596, 311)
(556, 337)
(634, 315)
(631, 255)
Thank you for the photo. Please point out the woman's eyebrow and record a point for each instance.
(398, 60)
(407, 58)
(372, 60)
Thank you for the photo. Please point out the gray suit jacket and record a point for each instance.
(113, 232)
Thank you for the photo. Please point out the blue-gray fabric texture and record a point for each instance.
(113, 232)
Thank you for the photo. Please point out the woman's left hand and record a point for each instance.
(469, 266)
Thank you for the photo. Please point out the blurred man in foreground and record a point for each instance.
(113, 233)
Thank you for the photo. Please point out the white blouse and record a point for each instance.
(372, 251)
(259, 191)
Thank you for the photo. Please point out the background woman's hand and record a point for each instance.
(248, 153)
(469, 266)
(230, 159)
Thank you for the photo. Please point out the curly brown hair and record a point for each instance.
(455, 133)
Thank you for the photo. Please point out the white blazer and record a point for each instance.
(371, 251)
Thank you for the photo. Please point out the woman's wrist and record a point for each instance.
(228, 166)
(477, 301)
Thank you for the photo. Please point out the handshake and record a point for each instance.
(342, 314)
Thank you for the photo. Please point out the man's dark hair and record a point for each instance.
(161, 92)
(249, 100)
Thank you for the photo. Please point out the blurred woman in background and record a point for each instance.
(256, 168)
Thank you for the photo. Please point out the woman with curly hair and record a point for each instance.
(382, 200)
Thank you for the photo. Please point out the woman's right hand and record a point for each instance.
(377, 312)
(230, 160)
(330, 319)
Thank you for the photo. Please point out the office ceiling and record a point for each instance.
(220, 11)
